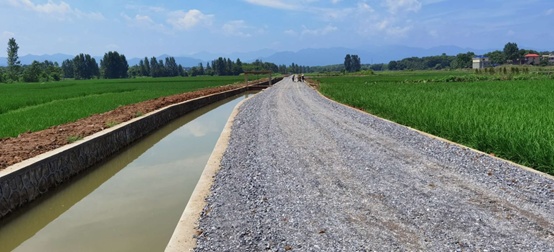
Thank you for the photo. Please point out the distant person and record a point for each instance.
(302, 78)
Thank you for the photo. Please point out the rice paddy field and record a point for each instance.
(36, 106)
(512, 119)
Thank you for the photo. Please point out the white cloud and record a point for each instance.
(61, 10)
(550, 12)
(396, 6)
(334, 14)
(365, 8)
(187, 20)
(145, 8)
(319, 32)
(276, 4)
(236, 28)
(391, 24)
(144, 22)
(290, 32)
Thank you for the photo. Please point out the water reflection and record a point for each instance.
(131, 202)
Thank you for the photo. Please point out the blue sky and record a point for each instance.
(183, 27)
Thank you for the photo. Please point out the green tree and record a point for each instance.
(194, 71)
(172, 69)
(161, 68)
(393, 65)
(348, 63)
(114, 66)
(356, 64)
(14, 66)
(182, 71)
(154, 67)
(68, 69)
(208, 70)
(496, 57)
(511, 52)
(32, 73)
(85, 67)
(200, 69)
(237, 67)
(463, 60)
(146, 71)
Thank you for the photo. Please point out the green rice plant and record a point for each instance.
(512, 119)
(33, 106)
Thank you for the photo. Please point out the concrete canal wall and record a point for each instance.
(26, 181)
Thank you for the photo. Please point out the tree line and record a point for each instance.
(114, 65)
(511, 54)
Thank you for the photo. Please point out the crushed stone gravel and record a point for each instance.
(303, 173)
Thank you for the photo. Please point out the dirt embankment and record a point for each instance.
(27, 145)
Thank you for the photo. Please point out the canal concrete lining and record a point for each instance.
(183, 238)
(25, 181)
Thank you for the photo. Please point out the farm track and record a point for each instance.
(31, 144)
(304, 173)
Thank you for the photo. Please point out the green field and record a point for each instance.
(513, 119)
(35, 106)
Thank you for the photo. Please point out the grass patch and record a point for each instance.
(514, 119)
(111, 124)
(72, 139)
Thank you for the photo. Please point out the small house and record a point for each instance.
(480, 62)
(532, 59)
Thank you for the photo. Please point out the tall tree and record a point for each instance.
(208, 69)
(68, 68)
(13, 60)
(146, 67)
(114, 66)
(348, 63)
(237, 67)
(511, 52)
(161, 68)
(85, 67)
(356, 64)
(200, 69)
(172, 69)
(154, 67)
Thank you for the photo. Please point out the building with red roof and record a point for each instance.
(532, 59)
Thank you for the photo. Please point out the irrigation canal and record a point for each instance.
(131, 202)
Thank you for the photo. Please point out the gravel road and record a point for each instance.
(303, 173)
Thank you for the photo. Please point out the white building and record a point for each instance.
(480, 61)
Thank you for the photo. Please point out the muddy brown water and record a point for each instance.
(131, 202)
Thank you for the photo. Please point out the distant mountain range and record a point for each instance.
(304, 57)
